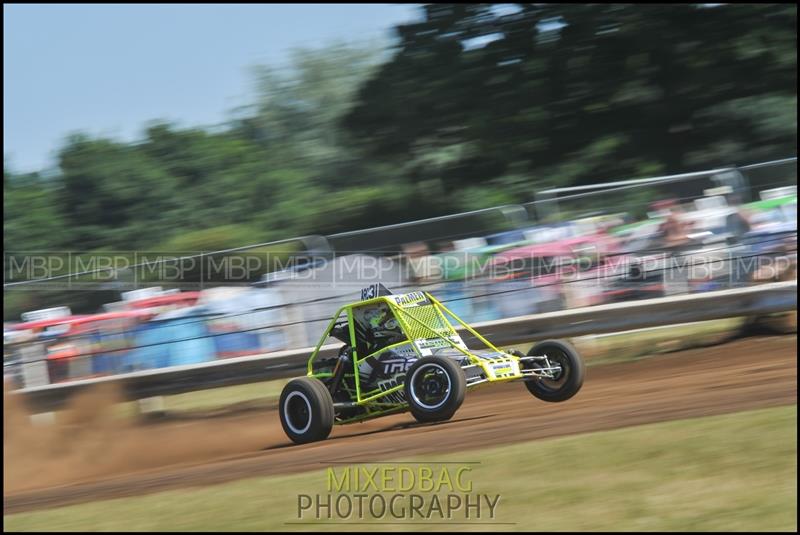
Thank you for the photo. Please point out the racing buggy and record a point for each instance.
(402, 353)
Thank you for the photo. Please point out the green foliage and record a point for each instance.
(573, 93)
(475, 105)
(112, 194)
(212, 239)
(32, 220)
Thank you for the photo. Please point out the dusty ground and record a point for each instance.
(92, 456)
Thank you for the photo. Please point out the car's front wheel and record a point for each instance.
(566, 382)
(306, 410)
(435, 388)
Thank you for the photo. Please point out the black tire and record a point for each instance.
(306, 410)
(569, 382)
(435, 388)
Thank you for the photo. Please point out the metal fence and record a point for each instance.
(290, 308)
(767, 298)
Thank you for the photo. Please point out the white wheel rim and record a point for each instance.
(414, 390)
(287, 415)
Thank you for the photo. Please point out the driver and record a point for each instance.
(381, 326)
(382, 330)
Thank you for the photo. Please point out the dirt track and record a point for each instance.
(93, 457)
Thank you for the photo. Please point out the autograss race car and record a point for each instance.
(402, 353)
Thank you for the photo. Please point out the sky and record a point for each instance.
(110, 69)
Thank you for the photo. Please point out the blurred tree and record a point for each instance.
(295, 123)
(113, 195)
(210, 173)
(475, 105)
(32, 220)
(576, 93)
(297, 110)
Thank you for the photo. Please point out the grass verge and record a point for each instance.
(734, 472)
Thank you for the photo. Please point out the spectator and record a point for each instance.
(738, 223)
(673, 230)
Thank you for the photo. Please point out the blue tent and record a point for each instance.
(175, 339)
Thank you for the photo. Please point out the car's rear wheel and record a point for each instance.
(306, 410)
(567, 382)
(435, 388)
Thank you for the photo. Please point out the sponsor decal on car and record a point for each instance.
(503, 369)
(411, 299)
(426, 344)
